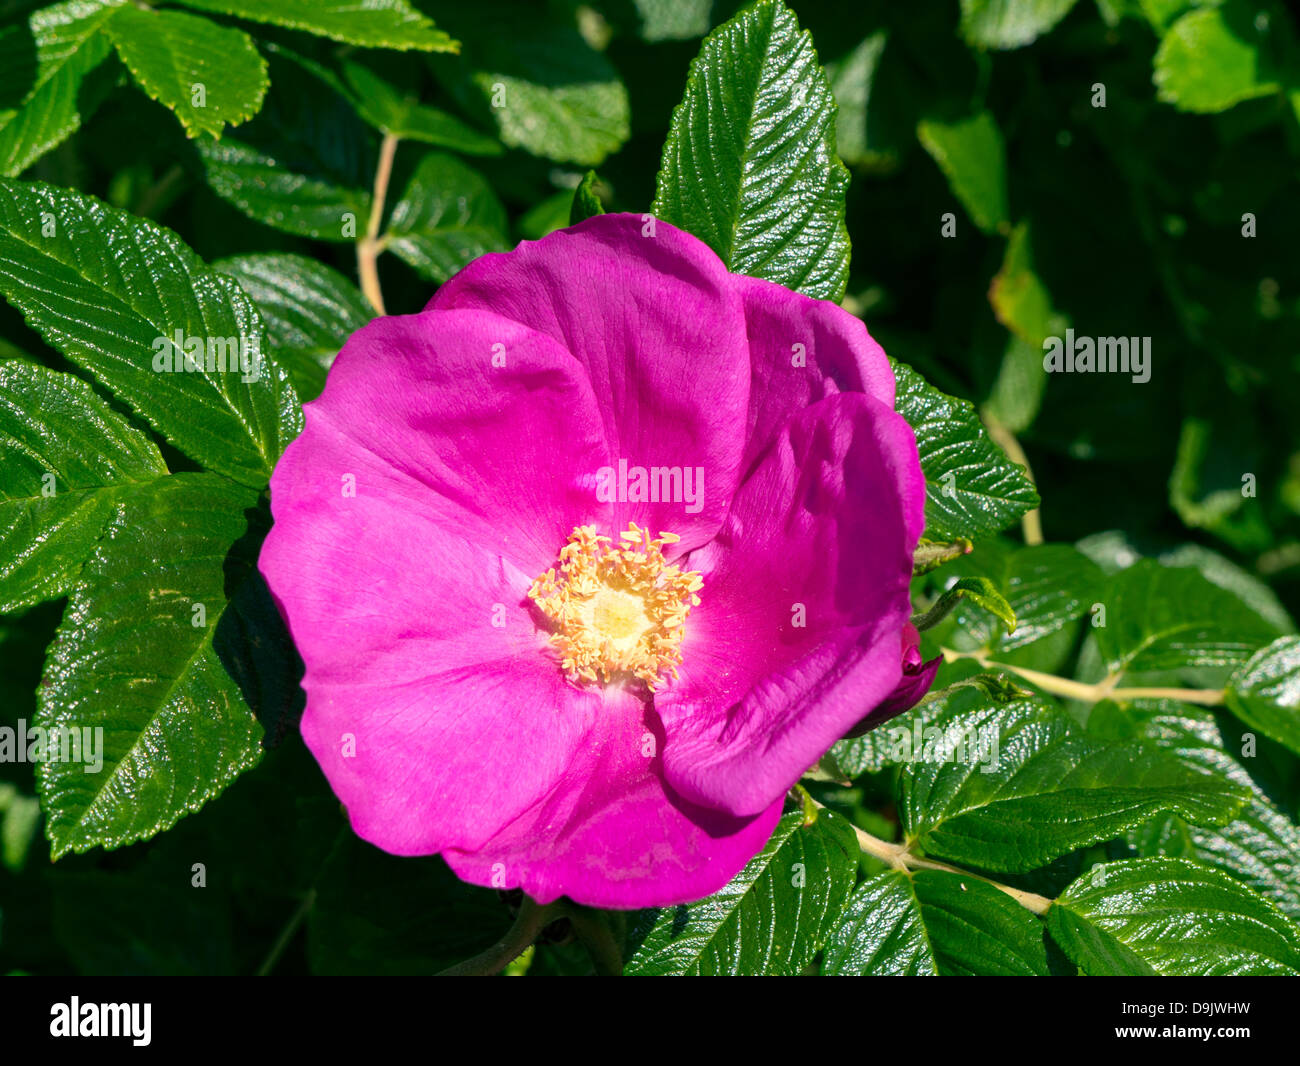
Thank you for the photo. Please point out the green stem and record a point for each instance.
(303, 909)
(287, 933)
(932, 554)
(593, 929)
(1091, 692)
(900, 857)
(160, 193)
(529, 923)
(1031, 525)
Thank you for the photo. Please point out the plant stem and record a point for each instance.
(933, 554)
(593, 930)
(900, 857)
(287, 933)
(369, 247)
(1091, 692)
(303, 910)
(1205, 697)
(529, 923)
(159, 194)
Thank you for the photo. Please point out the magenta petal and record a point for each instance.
(801, 351)
(917, 678)
(487, 428)
(620, 839)
(427, 490)
(433, 706)
(805, 594)
(656, 322)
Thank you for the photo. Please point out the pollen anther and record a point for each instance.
(618, 611)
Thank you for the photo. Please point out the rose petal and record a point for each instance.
(822, 533)
(414, 410)
(621, 840)
(433, 705)
(427, 490)
(801, 351)
(656, 322)
(917, 678)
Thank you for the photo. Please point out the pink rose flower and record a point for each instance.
(591, 559)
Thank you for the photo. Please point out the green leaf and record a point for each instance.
(1215, 57)
(1043, 791)
(546, 89)
(309, 310)
(884, 746)
(1171, 917)
(586, 202)
(673, 20)
(1113, 551)
(978, 590)
(69, 459)
(1162, 618)
(42, 100)
(1016, 395)
(1047, 586)
(852, 80)
(305, 165)
(386, 108)
(972, 488)
(546, 216)
(750, 165)
(1162, 13)
(167, 636)
(20, 818)
(929, 922)
(973, 158)
(772, 919)
(870, 753)
(1265, 693)
(211, 76)
(265, 190)
(447, 216)
(1020, 300)
(372, 24)
(1244, 586)
(108, 290)
(983, 593)
(1260, 846)
(1206, 487)
(1010, 23)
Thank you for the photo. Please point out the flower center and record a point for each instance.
(618, 611)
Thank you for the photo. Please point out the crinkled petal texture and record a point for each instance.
(441, 470)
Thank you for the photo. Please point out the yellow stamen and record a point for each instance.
(618, 612)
